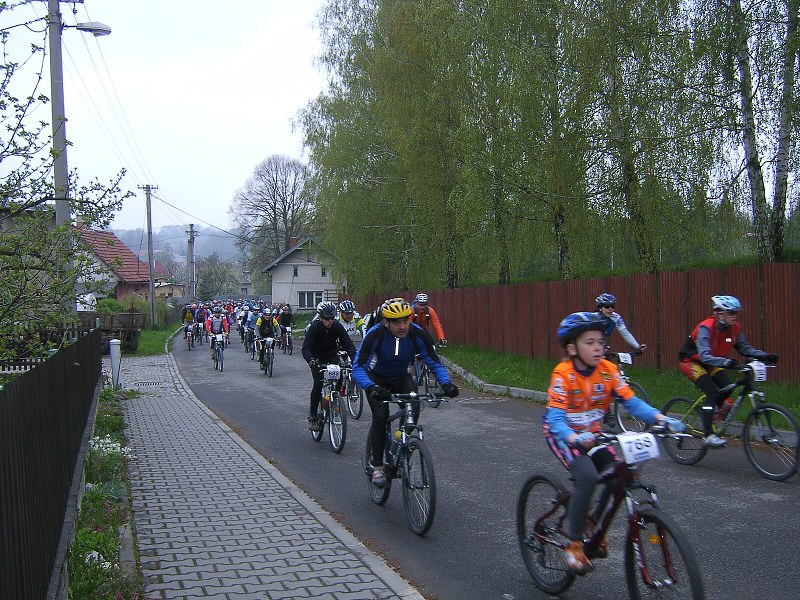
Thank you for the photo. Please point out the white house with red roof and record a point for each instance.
(117, 268)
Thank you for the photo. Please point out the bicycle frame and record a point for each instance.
(407, 426)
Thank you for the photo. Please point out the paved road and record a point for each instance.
(743, 528)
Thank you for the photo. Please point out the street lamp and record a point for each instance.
(60, 169)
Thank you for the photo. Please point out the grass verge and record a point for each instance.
(93, 563)
(534, 374)
(152, 340)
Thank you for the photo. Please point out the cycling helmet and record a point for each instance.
(326, 310)
(216, 309)
(347, 306)
(576, 323)
(726, 303)
(421, 298)
(395, 308)
(194, 305)
(605, 299)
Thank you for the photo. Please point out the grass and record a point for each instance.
(152, 340)
(534, 374)
(93, 562)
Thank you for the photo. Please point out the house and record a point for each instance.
(116, 266)
(302, 276)
(169, 290)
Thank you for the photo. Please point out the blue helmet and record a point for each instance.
(575, 324)
(605, 298)
(726, 303)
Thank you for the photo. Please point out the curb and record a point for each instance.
(503, 390)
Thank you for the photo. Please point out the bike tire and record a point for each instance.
(545, 562)
(337, 425)
(317, 435)
(270, 361)
(215, 359)
(283, 345)
(221, 358)
(771, 438)
(253, 350)
(627, 421)
(431, 385)
(419, 486)
(379, 495)
(290, 346)
(685, 450)
(355, 399)
(665, 555)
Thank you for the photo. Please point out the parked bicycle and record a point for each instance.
(770, 433)
(617, 416)
(218, 348)
(286, 340)
(659, 560)
(408, 458)
(351, 391)
(266, 354)
(331, 410)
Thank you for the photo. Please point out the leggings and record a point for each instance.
(380, 413)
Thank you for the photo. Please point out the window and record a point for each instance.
(324, 272)
(294, 271)
(308, 299)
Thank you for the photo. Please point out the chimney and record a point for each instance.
(292, 241)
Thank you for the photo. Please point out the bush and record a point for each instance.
(109, 306)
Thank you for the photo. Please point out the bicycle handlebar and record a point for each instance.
(415, 397)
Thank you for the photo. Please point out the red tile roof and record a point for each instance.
(116, 255)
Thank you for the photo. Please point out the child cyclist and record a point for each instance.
(582, 387)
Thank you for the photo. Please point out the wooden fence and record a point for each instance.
(659, 309)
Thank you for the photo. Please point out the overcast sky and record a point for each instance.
(186, 95)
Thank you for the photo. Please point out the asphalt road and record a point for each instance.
(743, 528)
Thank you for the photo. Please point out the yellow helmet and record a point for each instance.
(395, 308)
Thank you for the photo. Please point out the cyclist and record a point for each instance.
(249, 323)
(187, 316)
(703, 358)
(216, 323)
(285, 319)
(265, 328)
(241, 317)
(351, 320)
(424, 316)
(605, 304)
(381, 368)
(581, 389)
(323, 339)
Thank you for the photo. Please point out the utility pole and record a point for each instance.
(60, 169)
(150, 262)
(191, 282)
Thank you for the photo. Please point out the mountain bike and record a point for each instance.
(197, 335)
(351, 391)
(218, 349)
(408, 458)
(423, 377)
(286, 340)
(770, 433)
(331, 410)
(188, 336)
(617, 415)
(249, 343)
(266, 354)
(659, 560)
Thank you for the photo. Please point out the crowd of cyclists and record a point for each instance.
(383, 346)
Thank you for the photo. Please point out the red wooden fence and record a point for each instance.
(660, 310)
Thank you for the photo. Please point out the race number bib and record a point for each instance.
(333, 372)
(638, 447)
(759, 370)
(625, 358)
(219, 337)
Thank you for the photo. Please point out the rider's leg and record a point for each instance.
(316, 395)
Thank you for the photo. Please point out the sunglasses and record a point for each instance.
(607, 305)
(732, 312)
(327, 318)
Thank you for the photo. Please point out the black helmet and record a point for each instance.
(326, 310)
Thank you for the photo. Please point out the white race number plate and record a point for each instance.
(637, 447)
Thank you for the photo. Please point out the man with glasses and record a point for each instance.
(605, 304)
(424, 316)
(324, 338)
(704, 358)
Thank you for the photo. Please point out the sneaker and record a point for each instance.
(576, 559)
(714, 441)
(313, 424)
(602, 548)
(378, 478)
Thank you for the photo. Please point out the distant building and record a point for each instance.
(169, 290)
(302, 276)
(118, 269)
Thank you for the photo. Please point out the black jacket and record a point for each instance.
(322, 343)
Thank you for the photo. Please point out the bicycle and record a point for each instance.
(218, 345)
(197, 335)
(286, 340)
(422, 376)
(770, 433)
(659, 560)
(352, 392)
(617, 416)
(266, 355)
(408, 458)
(331, 409)
(249, 345)
(188, 336)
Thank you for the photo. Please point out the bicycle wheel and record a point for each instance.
(542, 509)
(627, 421)
(289, 341)
(337, 427)
(252, 350)
(659, 561)
(270, 360)
(355, 399)
(419, 486)
(220, 357)
(317, 435)
(215, 358)
(431, 385)
(685, 450)
(771, 435)
(377, 494)
(283, 343)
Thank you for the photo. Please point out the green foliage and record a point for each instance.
(109, 306)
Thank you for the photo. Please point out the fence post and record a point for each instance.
(116, 359)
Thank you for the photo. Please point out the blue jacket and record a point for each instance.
(389, 357)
